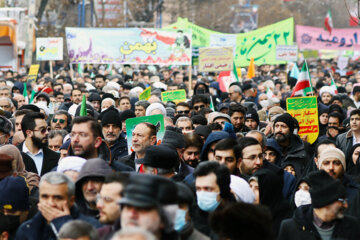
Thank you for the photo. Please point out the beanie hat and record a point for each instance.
(333, 153)
(252, 114)
(126, 115)
(203, 130)
(324, 189)
(173, 136)
(111, 117)
(44, 95)
(287, 119)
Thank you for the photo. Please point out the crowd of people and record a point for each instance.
(230, 165)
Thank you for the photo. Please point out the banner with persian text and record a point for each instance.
(128, 46)
(305, 110)
(317, 38)
(259, 44)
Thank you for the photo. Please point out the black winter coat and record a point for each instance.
(301, 227)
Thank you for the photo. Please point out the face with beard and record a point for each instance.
(281, 132)
(40, 133)
(83, 142)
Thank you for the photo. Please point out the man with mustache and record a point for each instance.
(38, 158)
(88, 185)
(292, 147)
(111, 130)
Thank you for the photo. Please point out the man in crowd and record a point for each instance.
(38, 158)
(61, 120)
(88, 185)
(6, 128)
(111, 193)
(56, 207)
(111, 130)
(143, 205)
(55, 139)
(324, 218)
(143, 136)
(346, 140)
(237, 116)
(292, 147)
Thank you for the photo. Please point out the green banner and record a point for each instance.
(259, 44)
(157, 120)
(299, 103)
(146, 94)
(200, 35)
(175, 96)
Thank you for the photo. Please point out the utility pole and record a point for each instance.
(30, 32)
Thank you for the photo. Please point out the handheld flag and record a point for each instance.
(295, 71)
(212, 104)
(269, 93)
(251, 69)
(80, 69)
(33, 92)
(234, 72)
(25, 94)
(328, 21)
(333, 85)
(83, 110)
(303, 84)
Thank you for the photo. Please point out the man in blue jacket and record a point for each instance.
(56, 207)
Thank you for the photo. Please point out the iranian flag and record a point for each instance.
(225, 78)
(328, 21)
(25, 94)
(269, 93)
(303, 84)
(333, 85)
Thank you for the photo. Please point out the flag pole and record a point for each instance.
(307, 68)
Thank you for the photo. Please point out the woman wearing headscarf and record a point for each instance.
(267, 187)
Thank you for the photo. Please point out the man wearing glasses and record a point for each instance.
(60, 121)
(183, 108)
(38, 158)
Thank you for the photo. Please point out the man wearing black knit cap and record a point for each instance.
(292, 147)
(324, 218)
(111, 130)
(252, 120)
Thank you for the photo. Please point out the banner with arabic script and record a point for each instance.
(128, 46)
(216, 59)
(261, 43)
(305, 110)
(317, 38)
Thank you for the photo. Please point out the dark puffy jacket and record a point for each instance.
(119, 149)
(344, 141)
(93, 168)
(37, 227)
(301, 227)
(296, 156)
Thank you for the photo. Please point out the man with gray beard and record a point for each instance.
(111, 130)
(292, 147)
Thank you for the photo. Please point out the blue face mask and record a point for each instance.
(180, 219)
(207, 201)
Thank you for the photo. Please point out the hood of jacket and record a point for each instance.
(213, 137)
(96, 167)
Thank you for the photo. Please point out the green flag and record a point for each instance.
(80, 69)
(32, 96)
(25, 93)
(83, 110)
(212, 104)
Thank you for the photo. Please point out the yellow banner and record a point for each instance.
(216, 59)
(305, 110)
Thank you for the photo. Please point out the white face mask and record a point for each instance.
(264, 103)
(302, 197)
